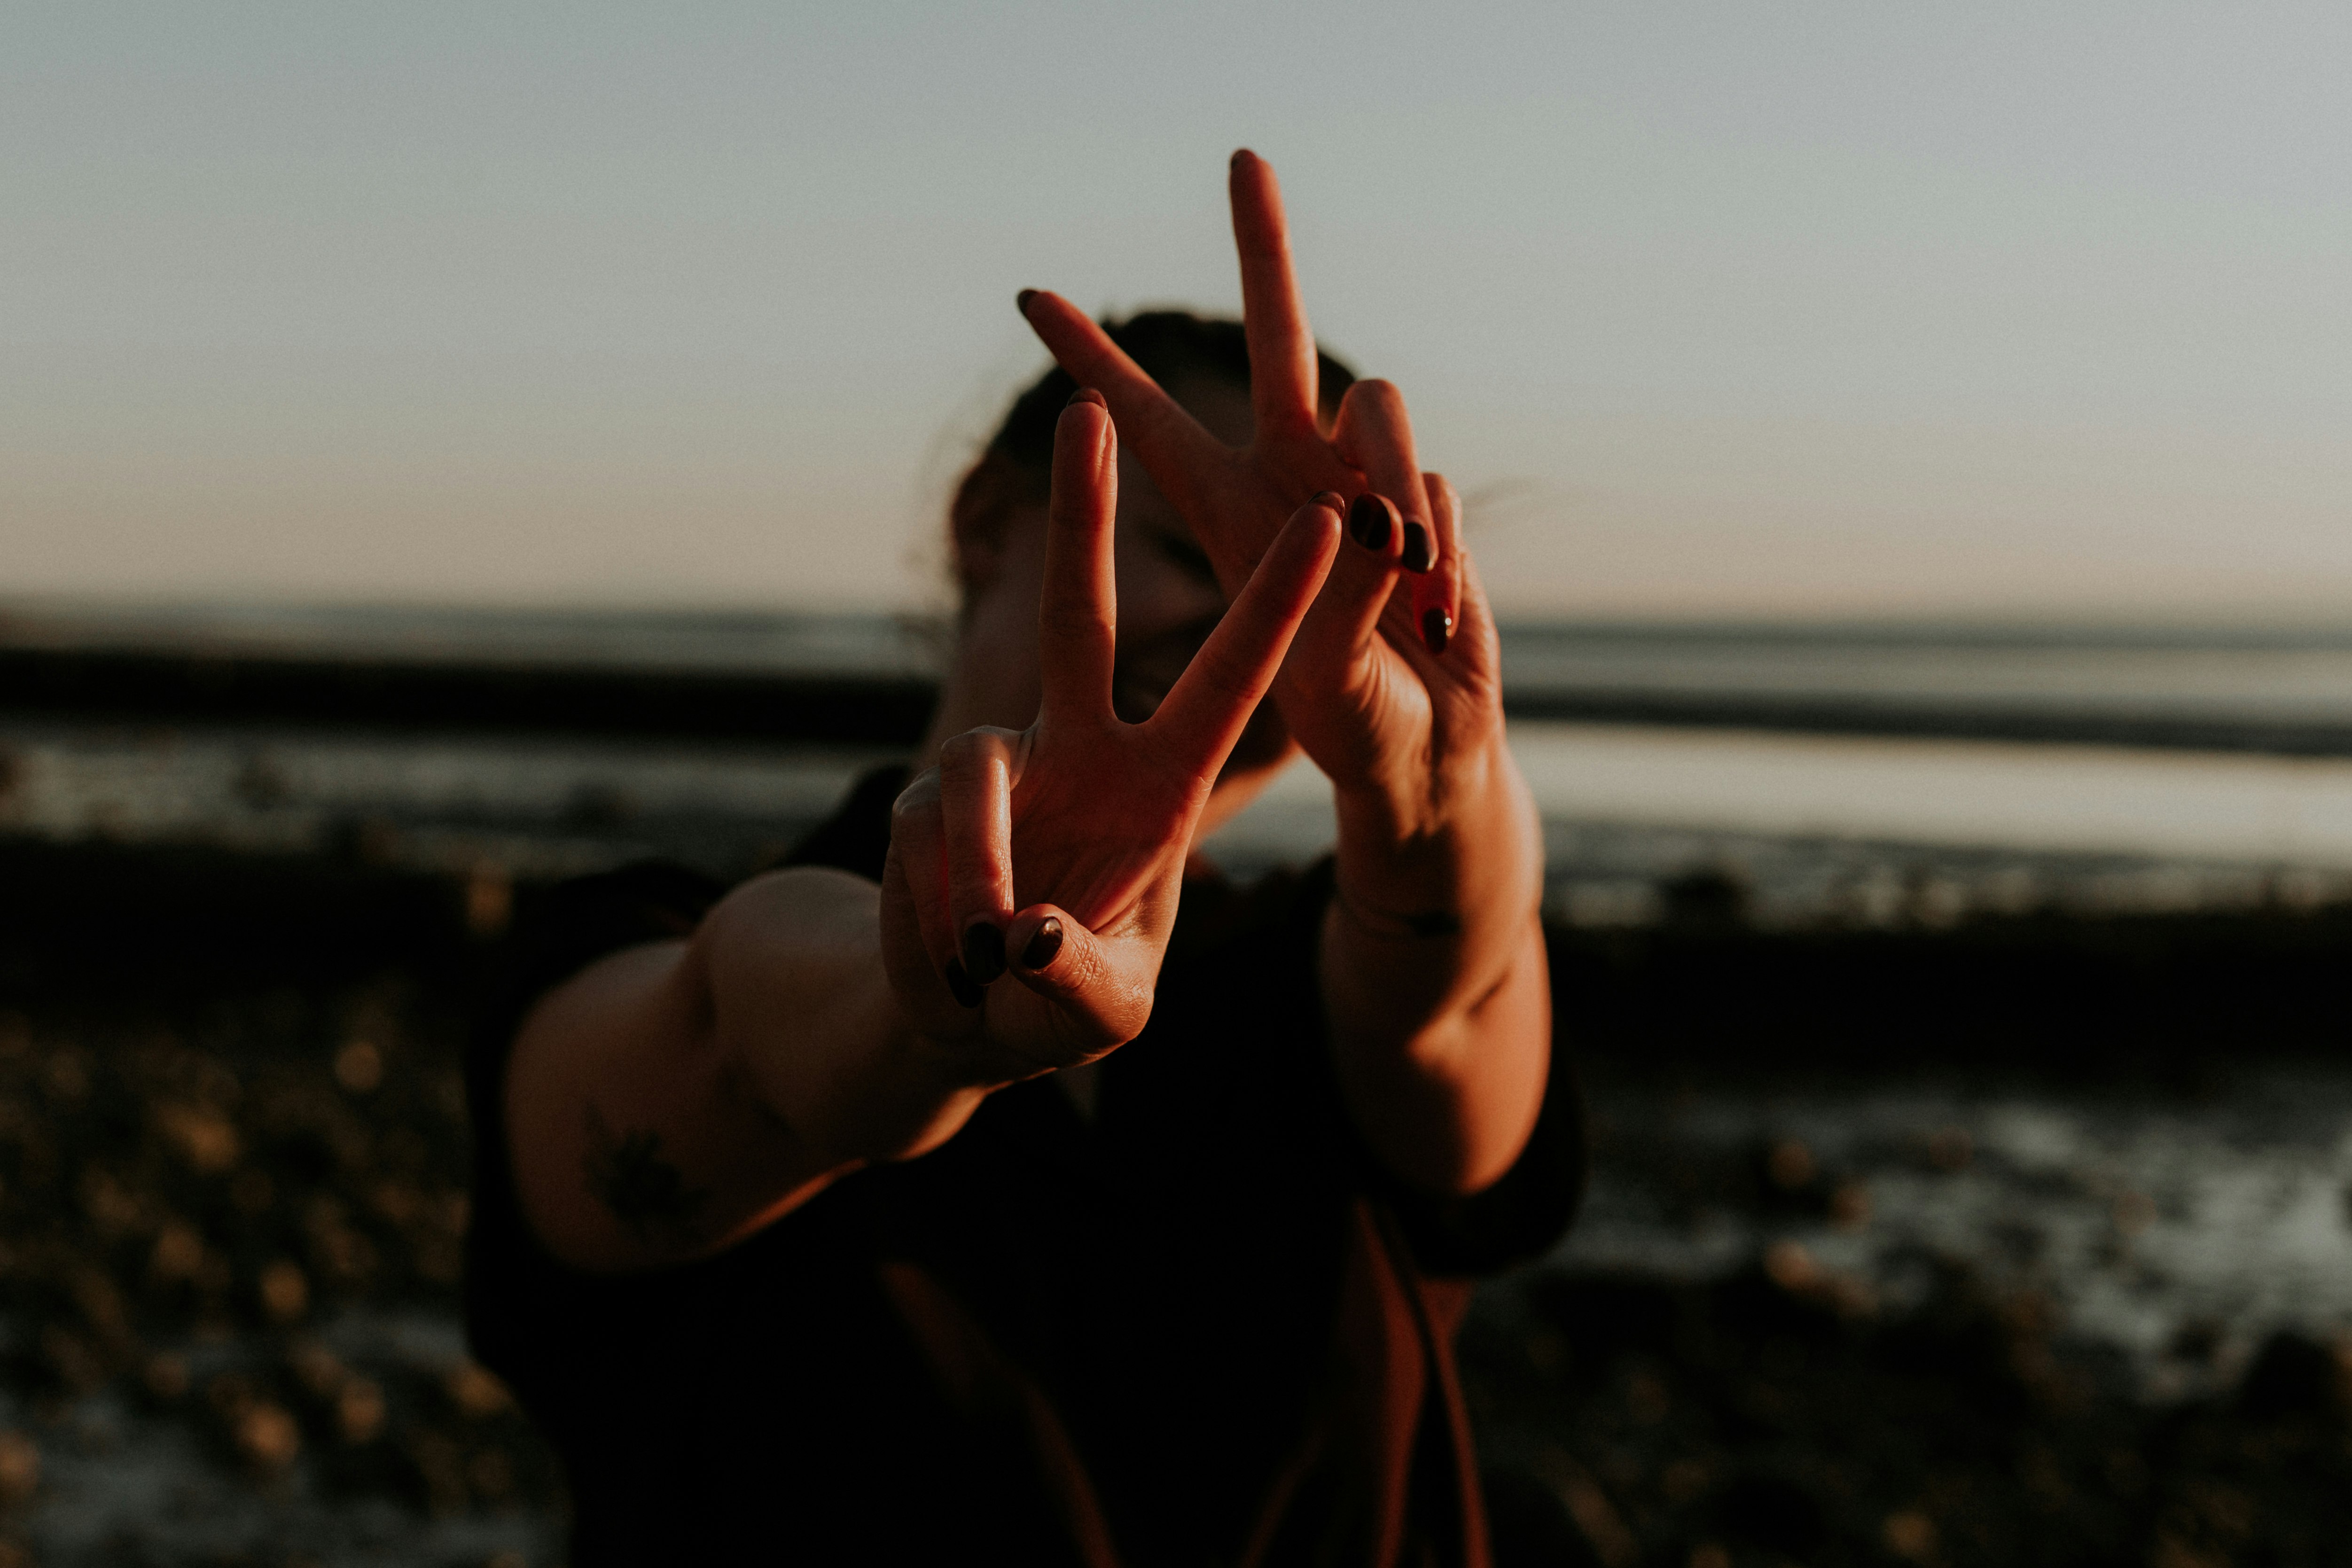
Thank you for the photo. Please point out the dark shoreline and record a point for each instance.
(2076, 994)
(871, 680)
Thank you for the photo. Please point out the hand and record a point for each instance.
(1394, 686)
(1057, 853)
(1432, 963)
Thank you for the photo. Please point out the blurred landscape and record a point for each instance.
(1959, 1006)
(1958, 997)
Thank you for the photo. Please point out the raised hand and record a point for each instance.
(1432, 963)
(1396, 669)
(1055, 853)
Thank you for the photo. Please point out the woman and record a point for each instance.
(949, 1189)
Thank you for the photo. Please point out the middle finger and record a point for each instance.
(1283, 366)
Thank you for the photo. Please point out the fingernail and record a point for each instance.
(1367, 522)
(1020, 301)
(983, 951)
(1437, 626)
(1331, 498)
(1087, 394)
(1042, 946)
(1417, 555)
(960, 985)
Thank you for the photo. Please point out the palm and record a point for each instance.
(1100, 826)
(1082, 819)
(1368, 690)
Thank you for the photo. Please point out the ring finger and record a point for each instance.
(1375, 434)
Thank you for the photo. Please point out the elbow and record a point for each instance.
(1486, 1136)
(1451, 1111)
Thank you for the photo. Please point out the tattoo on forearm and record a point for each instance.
(645, 1191)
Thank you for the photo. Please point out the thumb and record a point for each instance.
(1047, 950)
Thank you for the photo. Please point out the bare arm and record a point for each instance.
(1433, 963)
(1436, 980)
(1433, 969)
(674, 1098)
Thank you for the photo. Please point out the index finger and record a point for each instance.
(1281, 347)
(1077, 614)
(1171, 443)
(1204, 713)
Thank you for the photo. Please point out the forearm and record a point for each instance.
(672, 1098)
(1433, 973)
(802, 1011)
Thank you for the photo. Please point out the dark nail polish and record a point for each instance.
(1043, 946)
(1020, 301)
(961, 987)
(1087, 394)
(1417, 554)
(983, 951)
(1367, 522)
(1437, 626)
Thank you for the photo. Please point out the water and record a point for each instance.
(1816, 828)
(747, 641)
(2249, 677)
(2175, 1232)
(2243, 686)
(1837, 828)
(1816, 825)
(525, 806)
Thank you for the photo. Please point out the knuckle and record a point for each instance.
(1083, 970)
(965, 761)
(917, 802)
(975, 749)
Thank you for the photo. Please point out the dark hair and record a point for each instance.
(1169, 346)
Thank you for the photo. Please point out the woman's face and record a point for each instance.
(1169, 600)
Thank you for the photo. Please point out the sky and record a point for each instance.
(1711, 310)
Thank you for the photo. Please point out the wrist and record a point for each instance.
(1469, 852)
(1458, 790)
(919, 1092)
(945, 1065)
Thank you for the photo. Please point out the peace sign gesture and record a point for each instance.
(1396, 670)
(1056, 852)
